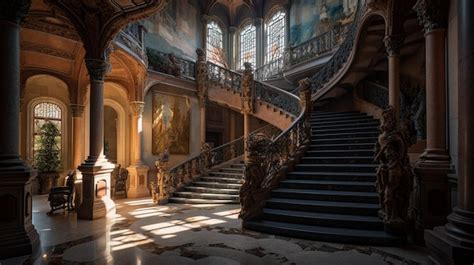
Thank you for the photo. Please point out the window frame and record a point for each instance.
(209, 52)
(248, 27)
(269, 24)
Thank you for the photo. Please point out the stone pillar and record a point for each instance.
(287, 23)
(393, 44)
(138, 172)
(454, 242)
(202, 123)
(247, 102)
(17, 234)
(260, 38)
(202, 87)
(78, 147)
(231, 47)
(204, 20)
(96, 170)
(434, 164)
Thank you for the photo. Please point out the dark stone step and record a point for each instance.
(338, 160)
(216, 185)
(317, 153)
(323, 233)
(370, 129)
(365, 186)
(196, 195)
(221, 180)
(231, 170)
(342, 121)
(211, 190)
(338, 115)
(350, 168)
(317, 126)
(343, 135)
(323, 219)
(371, 140)
(338, 176)
(237, 165)
(323, 206)
(346, 146)
(226, 174)
(323, 195)
(201, 201)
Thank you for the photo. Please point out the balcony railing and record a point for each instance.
(169, 64)
(131, 38)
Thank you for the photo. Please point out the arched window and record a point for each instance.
(248, 45)
(42, 113)
(215, 43)
(275, 29)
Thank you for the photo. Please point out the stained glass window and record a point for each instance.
(275, 29)
(44, 112)
(248, 46)
(215, 43)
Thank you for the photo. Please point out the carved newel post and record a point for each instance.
(206, 162)
(17, 234)
(159, 192)
(202, 86)
(247, 100)
(393, 44)
(138, 171)
(394, 174)
(305, 96)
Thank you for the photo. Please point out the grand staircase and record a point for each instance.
(221, 185)
(331, 194)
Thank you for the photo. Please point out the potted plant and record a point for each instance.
(47, 158)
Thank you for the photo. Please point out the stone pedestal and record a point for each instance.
(138, 181)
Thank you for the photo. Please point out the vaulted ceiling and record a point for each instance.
(236, 10)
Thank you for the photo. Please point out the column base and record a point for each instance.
(78, 189)
(18, 236)
(96, 201)
(138, 181)
(454, 242)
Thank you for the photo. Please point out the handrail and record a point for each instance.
(168, 63)
(225, 77)
(131, 37)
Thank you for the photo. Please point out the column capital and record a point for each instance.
(232, 29)
(14, 10)
(137, 107)
(393, 43)
(77, 110)
(205, 18)
(97, 68)
(258, 21)
(432, 14)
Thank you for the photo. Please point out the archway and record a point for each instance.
(110, 133)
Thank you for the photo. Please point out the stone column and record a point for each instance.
(434, 164)
(287, 23)
(204, 20)
(231, 47)
(393, 44)
(17, 234)
(138, 172)
(96, 170)
(202, 88)
(247, 102)
(78, 147)
(260, 38)
(454, 242)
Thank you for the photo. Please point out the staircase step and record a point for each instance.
(339, 176)
(361, 140)
(372, 129)
(217, 185)
(222, 180)
(365, 186)
(338, 160)
(211, 190)
(342, 121)
(317, 126)
(323, 195)
(343, 135)
(231, 170)
(195, 195)
(346, 146)
(323, 219)
(337, 168)
(361, 152)
(226, 174)
(201, 201)
(323, 233)
(338, 115)
(324, 206)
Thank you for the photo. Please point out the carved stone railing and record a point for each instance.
(131, 38)
(273, 69)
(224, 77)
(170, 64)
(183, 173)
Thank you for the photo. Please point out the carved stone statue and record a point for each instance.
(394, 174)
(251, 191)
(202, 77)
(160, 189)
(247, 88)
(305, 94)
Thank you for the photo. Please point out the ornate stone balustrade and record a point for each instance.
(224, 77)
(170, 64)
(131, 39)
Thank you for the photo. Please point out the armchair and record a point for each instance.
(62, 197)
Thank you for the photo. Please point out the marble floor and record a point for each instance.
(144, 233)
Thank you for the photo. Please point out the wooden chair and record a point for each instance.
(120, 190)
(62, 197)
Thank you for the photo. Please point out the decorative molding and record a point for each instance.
(97, 68)
(48, 50)
(137, 108)
(14, 10)
(247, 89)
(77, 110)
(40, 22)
(393, 44)
(432, 14)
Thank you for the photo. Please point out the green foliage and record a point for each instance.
(48, 157)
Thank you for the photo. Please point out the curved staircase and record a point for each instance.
(330, 196)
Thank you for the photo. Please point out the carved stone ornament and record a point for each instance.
(14, 10)
(202, 77)
(137, 108)
(206, 157)
(432, 14)
(394, 174)
(305, 94)
(97, 68)
(393, 44)
(77, 110)
(247, 87)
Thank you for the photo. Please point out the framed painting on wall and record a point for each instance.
(171, 123)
